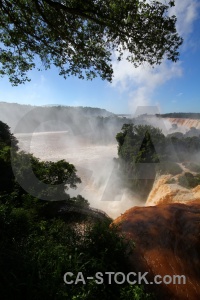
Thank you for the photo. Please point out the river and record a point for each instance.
(101, 185)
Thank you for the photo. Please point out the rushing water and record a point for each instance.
(94, 163)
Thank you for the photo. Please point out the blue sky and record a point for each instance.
(171, 87)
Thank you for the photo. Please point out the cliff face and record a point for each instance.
(163, 192)
(185, 122)
(167, 239)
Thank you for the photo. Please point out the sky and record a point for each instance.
(170, 87)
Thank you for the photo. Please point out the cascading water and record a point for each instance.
(101, 185)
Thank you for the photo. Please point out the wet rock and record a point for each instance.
(163, 192)
(167, 239)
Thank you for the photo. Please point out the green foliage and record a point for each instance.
(7, 140)
(135, 292)
(38, 245)
(177, 115)
(144, 151)
(139, 148)
(48, 172)
(194, 167)
(136, 143)
(185, 147)
(83, 36)
(189, 180)
(168, 168)
(36, 253)
(6, 137)
(171, 181)
(31, 174)
(6, 174)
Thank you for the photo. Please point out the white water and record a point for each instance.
(94, 163)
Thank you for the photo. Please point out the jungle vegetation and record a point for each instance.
(145, 151)
(40, 241)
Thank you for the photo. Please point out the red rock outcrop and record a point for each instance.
(167, 239)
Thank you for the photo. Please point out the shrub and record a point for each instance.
(192, 166)
(171, 181)
(135, 292)
(188, 180)
(168, 168)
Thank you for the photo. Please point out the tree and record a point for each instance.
(45, 180)
(6, 137)
(79, 37)
(57, 176)
(7, 140)
(139, 148)
(136, 143)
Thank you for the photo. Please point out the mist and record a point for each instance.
(101, 183)
(85, 137)
(82, 136)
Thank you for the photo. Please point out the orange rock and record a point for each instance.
(188, 123)
(163, 192)
(167, 238)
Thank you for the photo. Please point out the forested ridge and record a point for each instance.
(89, 123)
(188, 115)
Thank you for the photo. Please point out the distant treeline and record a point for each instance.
(30, 118)
(92, 123)
(195, 116)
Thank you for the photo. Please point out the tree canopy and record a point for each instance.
(145, 151)
(6, 137)
(80, 37)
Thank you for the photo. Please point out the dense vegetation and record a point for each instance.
(192, 166)
(189, 180)
(42, 240)
(145, 151)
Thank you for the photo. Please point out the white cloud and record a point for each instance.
(142, 82)
(186, 12)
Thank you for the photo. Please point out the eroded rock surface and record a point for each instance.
(164, 192)
(188, 123)
(167, 239)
